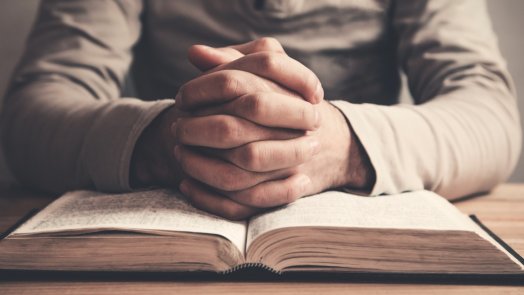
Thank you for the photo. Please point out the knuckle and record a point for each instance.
(190, 93)
(229, 84)
(226, 129)
(268, 44)
(251, 157)
(269, 62)
(253, 105)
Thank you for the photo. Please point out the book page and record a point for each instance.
(413, 210)
(142, 211)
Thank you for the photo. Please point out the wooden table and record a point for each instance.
(502, 211)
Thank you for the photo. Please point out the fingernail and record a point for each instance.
(177, 152)
(315, 146)
(183, 188)
(304, 182)
(173, 129)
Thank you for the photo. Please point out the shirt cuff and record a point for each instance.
(110, 142)
(371, 125)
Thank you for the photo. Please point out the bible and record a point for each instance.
(158, 230)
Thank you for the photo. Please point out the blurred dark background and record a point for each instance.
(16, 17)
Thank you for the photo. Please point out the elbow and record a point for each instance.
(490, 149)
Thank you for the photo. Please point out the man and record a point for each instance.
(252, 128)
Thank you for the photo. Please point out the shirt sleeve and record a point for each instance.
(463, 134)
(64, 124)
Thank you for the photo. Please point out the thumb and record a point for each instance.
(205, 57)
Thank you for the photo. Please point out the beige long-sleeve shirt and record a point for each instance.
(65, 124)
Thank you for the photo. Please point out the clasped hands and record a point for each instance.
(253, 131)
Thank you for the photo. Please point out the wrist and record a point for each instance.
(140, 174)
(153, 160)
(361, 173)
(357, 172)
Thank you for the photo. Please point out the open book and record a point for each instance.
(418, 232)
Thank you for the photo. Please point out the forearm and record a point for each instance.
(463, 136)
(56, 137)
(64, 124)
(460, 143)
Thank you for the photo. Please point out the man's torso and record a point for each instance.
(348, 44)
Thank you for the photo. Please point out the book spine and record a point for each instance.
(256, 265)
